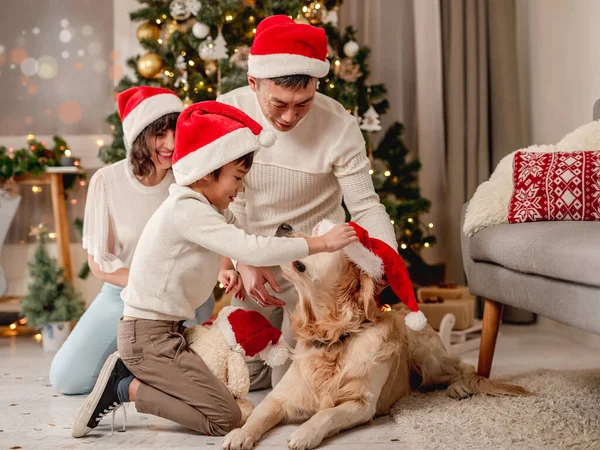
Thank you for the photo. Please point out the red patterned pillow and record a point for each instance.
(555, 186)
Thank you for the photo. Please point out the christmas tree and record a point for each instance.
(50, 297)
(200, 49)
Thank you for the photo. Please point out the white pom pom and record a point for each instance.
(275, 355)
(415, 320)
(267, 138)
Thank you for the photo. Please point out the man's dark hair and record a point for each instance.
(145, 144)
(246, 162)
(292, 81)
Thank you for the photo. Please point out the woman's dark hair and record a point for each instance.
(145, 144)
(246, 162)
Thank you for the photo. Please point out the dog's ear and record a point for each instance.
(358, 292)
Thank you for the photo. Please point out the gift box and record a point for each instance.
(437, 301)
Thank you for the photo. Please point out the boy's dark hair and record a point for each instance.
(246, 162)
(145, 144)
(292, 81)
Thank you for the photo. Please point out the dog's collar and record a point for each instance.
(320, 344)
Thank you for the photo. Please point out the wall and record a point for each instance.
(559, 56)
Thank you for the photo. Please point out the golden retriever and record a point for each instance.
(351, 361)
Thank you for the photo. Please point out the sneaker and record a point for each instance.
(103, 399)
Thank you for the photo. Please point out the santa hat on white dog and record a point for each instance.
(283, 47)
(249, 333)
(211, 134)
(376, 258)
(140, 106)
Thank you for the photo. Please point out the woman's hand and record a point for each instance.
(232, 281)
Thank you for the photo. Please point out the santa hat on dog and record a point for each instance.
(140, 106)
(249, 333)
(211, 134)
(283, 47)
(376, 258)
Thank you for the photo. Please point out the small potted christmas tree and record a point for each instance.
(51, 303)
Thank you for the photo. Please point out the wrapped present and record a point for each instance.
(437, 301)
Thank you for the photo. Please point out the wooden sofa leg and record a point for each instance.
(492, 314)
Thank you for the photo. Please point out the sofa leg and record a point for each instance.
(492, 313)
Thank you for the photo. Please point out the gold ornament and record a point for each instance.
(210, 68)
(148, 31)
(315, 12)
(348, 71)
(149, 65)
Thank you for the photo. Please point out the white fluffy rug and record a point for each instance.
(563, 413)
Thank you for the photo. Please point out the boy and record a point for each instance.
(176, 264)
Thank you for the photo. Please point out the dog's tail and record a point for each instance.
(472, 383)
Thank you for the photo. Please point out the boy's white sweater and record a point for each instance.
(177, 259)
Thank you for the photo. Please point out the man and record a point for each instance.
(318, 159)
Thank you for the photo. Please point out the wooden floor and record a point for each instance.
(33, 417)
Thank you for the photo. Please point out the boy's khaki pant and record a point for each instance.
(176, 384)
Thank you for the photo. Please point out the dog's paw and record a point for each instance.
(304, 438)
(459, 390)
(238, 439)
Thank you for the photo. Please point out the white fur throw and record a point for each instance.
(489, 205)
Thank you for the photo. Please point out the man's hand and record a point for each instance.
(254, 279)
(232, 282)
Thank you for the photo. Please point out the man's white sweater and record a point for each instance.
(303, 177)
(176, 262)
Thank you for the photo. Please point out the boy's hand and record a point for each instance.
(332, 241)
(232, 281)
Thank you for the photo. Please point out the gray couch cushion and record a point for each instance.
(567, 251)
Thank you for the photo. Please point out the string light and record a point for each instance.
(13, 326)
(160, 41)
(99, 142)
(182, 53)
(221, 285)
(44, 143)
(229, 18)
(371, 172)
(331, 85)
(82, 183)
(210, 89)
(23, 321)
(36, 189)
(191, 63)
(387, 173)
(74, 201)
(430, 225)
(403, 246)
(392, 221)
(76, 163)
(304, 8)
(426, 245)
(251, 19)
(30, 137)
(254, 30)
(52, 235)
(410, 220)
(337, 62)
(38, 337)
(32, 147)
(68, 153)
(164, 16)
(158, 21)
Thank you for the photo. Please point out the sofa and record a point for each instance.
(549, 268)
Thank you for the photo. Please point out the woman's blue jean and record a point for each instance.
(77, 364)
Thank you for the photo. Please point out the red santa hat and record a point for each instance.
(376, 258)
(249, 333)
(140, 106)
(211, 134)
(283, 47)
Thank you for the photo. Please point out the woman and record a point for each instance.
(120, 200)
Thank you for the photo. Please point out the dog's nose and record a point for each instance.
(284, 229)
